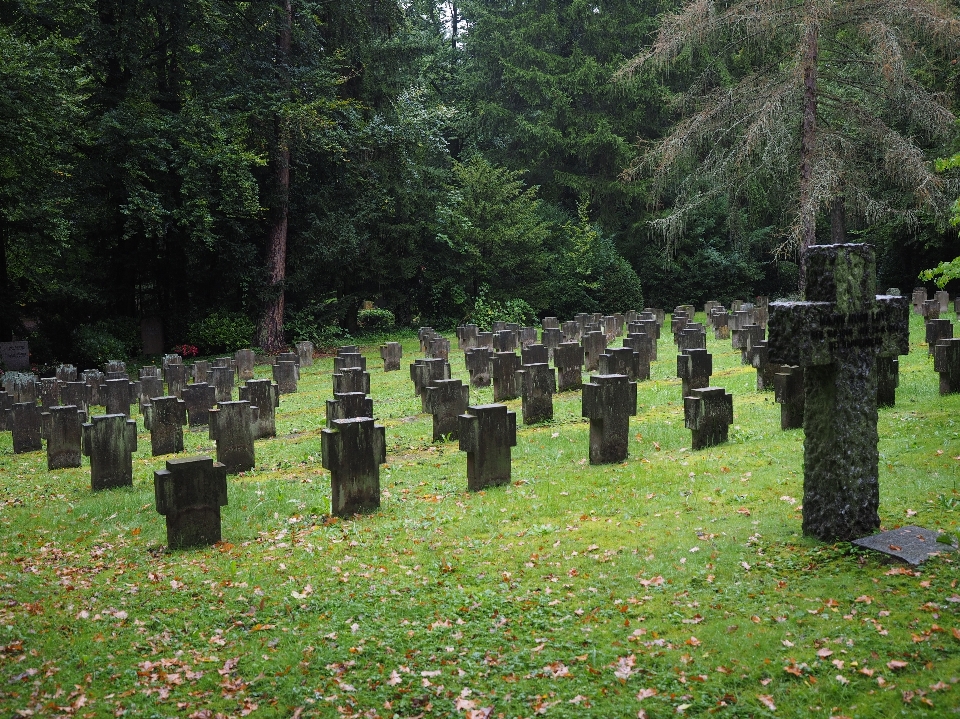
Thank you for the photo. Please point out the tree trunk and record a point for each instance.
(6, 301)
(271, 325)
(454, 22)
(808, 137)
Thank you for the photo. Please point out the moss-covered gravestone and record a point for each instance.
(479, 361)
(353, 450)
(594, 345)
(66, 373)
(570, 331)
(348, 406)
(487, 432)
(446, 400)
(233, 427)
(189, 494)
(504, 374)
(788, 392)
(836, 336)
(199, 398)
(167, 416)
(608, 402)
(110, 440)
(568, 359)
(265, 396)
(708, 414)
(946, 361)
(390, 353)
(25, 425)
(537, 384)
(286, 374)
(62, 428)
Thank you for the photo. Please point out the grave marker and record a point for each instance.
(946, 362)
(189, 494)
(534, 354)
(246, 359)
(221, 377)
(352, 379)
(608, 402)
(353, 450)
(936, 330)
(304, 353)
(537, 384)
(110, 440)
(265, 396)
(708, 414)
(62, 428)
(789, 393)
(286, 374)
(487, 432)
(233, 426)
(348, 406)
(167, 417)
(24, 422)
(505, 366)
(622, 360)
(199, 398)
(694, 368)
(479, 361)
(446, 400)
(594, 345)
(391, 353)
(15, 355)
(568, 359)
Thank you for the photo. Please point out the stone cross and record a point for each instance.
(550, 323)
(608, 325)
(609, 400)
(286, 374)
(930, 309)
(265, 396)
(348, 406)
(152, 387)
(708, 414)
(199, 398)
(424, 334)
(114, 366)
(571, 331)
(49, 392)
(485, 339)
(658, 314)
(222, 380)
(888, 379)
(391, 353)
(118, 395)
(170, 360)
(304, 352)
(167, 416)
(748, 336)
(836, 336)
(534, 354)
(232, 427)
(943, 297)
(295, 358)
(66, 373)
(246, 359)
(537, 384)
(946, 362)
(622, 360)
(479, 361)
(552, 337)
(788, 392)
(351, 379)
(594, 345)
(918, 298)
(693, 336)
(760, 359)
(936, 330)
(189, 494)
(176, 376)
(761, 310)
(505, 366)
(504, 341)
(93, 378)
(62, 428)
(487, 432)
(467, 337)
(74, 393)
(25, 424)
(446, 400)
(6, 417)
(528, 336)
(720, 319)
(426, 372)
(353, 450)
(110, 440)
(694, 368)
(439, 348)
(348, 350)
(201, 371)
(582, 319)
(568, 359)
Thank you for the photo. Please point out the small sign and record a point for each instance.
(15, 355)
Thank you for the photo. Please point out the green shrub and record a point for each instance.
(375, 319)
(221, 331)
(487, 311)
(97, 343)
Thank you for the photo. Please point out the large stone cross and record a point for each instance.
(836, 336)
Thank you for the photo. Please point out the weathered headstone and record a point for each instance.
(943, 297)
(918, 298)
(658, 314)
(24, 422)
(66, 373)
(295, 358)
(537, 384)
(425, 334)
(222, 380)
(114, 366)
(152, 387)
(391, 353)
(439, 348)
(352, 379)
(479, 361)
(49, 392)
(189, 494)
(527, 336)
(888, 379)
(568, 359)
(233, 427)
(286, 374)
(200, 371)
(167, 416)
(427, 372)
(946, 362)
(170, 359)
(789, 393)
(694, 368)
(110, 440)
(15, 355)
(246, 359)
(930, 309)
(571, 331)
(761, 311)
(348, 350)
(608, 402)
(304, 352)
(550, 323)
(594, 345)
(504, 341)
(446, 400)
(708, 414)
(766, 370)
(621, 360)
(199, 399)
(352, 359)
(118, 395)
(936, 330)
(692, 337)
(836, 336)
(62, 428)
(348, 406)
(467, 336)
(552, 337)
(176, 376)
(750, 335)
(534, 354)
(21, 387)
(487, 432)
(720, 320)
(353, 450)
(485, 339)
(645, 348)
(74, 393)
(504, 374)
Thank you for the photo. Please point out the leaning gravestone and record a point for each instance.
(446, 400)
(189, 494)
(836, 336)
(505, 366)
(487, 432)
(390, 353)
(353, 450)
(788, 392)
(246, 359)
(265, 396)
(167, 415)
(608, 402)
(568, 359)
(62, 428)
(25, 424)
(479, 361)
(708, 414)
(537, 384)
(946, 362)
(199, 398)
(348, 406)
(911, 544)
(232, 427)
(110, 440)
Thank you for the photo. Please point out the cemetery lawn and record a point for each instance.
(676, 583)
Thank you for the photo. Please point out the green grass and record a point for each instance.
(576, 591)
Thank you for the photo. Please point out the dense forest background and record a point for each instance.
(262, 170)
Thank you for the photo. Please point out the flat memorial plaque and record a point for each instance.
(911, 544)
(15, 355)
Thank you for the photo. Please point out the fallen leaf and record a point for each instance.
(767, 701)
(646, 694)
(895, 664)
